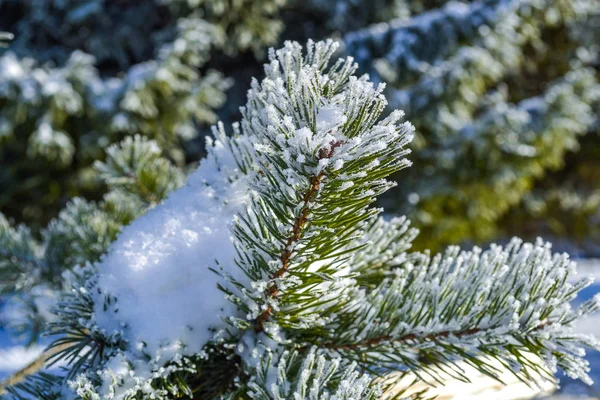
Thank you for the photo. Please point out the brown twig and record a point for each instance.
(286, 253)
(401, 339)
(406, 338)
(299, 223)
(31, 368)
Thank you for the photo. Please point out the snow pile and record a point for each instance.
(158, 270)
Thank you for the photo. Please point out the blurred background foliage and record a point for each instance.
(504, 95)
(81, 75)
(505, 98)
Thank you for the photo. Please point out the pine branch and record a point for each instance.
(286, 253)
(348, 148)
(33, 367)
(20, 264)
(136, 166)
(501, 303)
(401, 45)
(312, 376)
(284, 208)
(411, 337)
(387, 249)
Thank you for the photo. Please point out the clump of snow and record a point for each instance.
(330, 117)
(158, 273)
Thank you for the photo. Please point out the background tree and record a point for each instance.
(81, 75)
(505, 100)
(504, 94)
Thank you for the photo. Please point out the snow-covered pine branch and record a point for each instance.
(409, 48)
(269, 275)
(504, 303)
(310, 380)
(321, 159)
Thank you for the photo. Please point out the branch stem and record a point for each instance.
(31, 368)
(299, 223)
(409, 337)
(286, 253)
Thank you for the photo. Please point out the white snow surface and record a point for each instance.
(158, 269)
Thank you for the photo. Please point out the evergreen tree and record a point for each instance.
(81, 75)
(505, 99)
(269, 275)
(504, 94)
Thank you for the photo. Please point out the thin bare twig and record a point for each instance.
(31, 368)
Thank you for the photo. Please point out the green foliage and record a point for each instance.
(40, 386)
(158, 78)
(81, 76)
(442, 287)
(330, 300)
(311, 377)
(504, 151)
(499, 101)
(247, 24)
(31, 270)
(19, 251)
(136, 168)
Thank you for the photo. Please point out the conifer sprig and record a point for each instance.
(320, 297)
(433, 312)
(320, 160)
